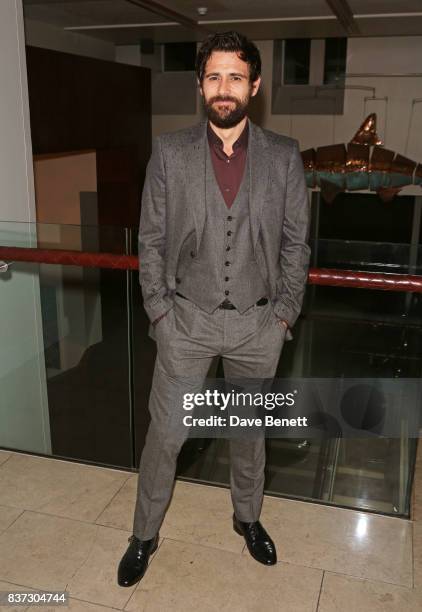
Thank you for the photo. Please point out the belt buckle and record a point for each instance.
(227, 305)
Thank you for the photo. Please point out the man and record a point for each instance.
(223, 262)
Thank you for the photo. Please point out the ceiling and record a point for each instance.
(125, 22)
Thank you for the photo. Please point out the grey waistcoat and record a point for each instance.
(204, 280)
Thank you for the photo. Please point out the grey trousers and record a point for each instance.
(188, 339)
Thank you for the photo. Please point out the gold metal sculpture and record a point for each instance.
(361, 164)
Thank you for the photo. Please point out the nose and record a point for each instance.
(223, 87)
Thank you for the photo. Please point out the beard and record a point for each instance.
(227, 116)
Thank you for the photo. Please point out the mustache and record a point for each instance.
(222, 99)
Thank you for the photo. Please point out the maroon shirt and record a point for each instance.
(228, 168)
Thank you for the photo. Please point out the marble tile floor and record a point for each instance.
(64, 526)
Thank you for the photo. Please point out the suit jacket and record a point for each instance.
(173, 216)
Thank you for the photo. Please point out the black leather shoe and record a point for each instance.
(134, 562)
(259, 543)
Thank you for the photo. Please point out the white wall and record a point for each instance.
(366, 55)
(24, 422)
(395, 55)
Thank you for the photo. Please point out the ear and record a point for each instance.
(255, 86)
(199, 86)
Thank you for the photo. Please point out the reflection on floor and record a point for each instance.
(65, 525)
(356, 473)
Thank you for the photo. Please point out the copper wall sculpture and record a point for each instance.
(361, 164)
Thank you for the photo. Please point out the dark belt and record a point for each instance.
(227, 305)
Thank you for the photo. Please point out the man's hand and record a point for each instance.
(283, 323)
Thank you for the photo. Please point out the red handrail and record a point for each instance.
(70, 258)
(317, 276)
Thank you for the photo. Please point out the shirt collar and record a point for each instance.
(241, 142)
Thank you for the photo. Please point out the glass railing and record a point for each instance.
(76, 365)
(370, 256)
(64, 347)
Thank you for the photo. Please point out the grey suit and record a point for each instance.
(182, 211)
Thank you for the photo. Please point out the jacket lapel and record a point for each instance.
(195, 177)
(259, 163)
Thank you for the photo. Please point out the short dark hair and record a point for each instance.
(231, 42)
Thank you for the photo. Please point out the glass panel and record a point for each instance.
(64, 348)
(179, 56)
(369, 256)
(296, 61)
(335, 60)
(364, 217)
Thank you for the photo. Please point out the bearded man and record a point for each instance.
(223, 261)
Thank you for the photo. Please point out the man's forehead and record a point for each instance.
(226, 60)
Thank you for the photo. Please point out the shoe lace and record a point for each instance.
(258, 533)
(253, 530)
